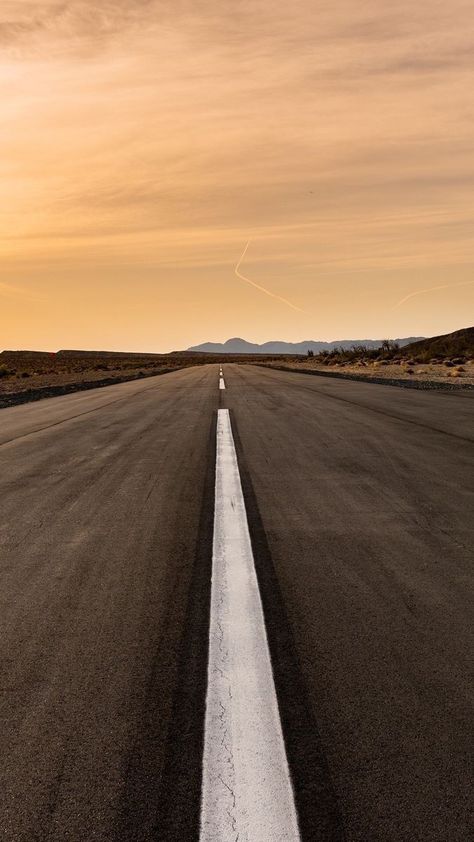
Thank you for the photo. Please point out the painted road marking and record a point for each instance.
(246, 787)
(221, 383)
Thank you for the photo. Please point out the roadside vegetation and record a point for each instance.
(447, 359)
(451, 350)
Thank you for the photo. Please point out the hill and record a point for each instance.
(241, 346)
(458, 343)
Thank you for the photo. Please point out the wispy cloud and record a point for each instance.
(67, 26)
(17, 293)
(154, 135)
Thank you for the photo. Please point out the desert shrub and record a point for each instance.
(389, 346)
(25, 374)
(360, 350)
(6, 372)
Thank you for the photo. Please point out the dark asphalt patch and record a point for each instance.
(179, 791)
(319, 815)
(386, 414)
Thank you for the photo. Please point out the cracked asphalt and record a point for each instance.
(360, 507)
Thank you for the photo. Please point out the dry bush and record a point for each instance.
(6, 372)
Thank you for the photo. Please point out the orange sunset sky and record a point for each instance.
(144, 143)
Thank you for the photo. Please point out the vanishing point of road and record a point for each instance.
(237, 607)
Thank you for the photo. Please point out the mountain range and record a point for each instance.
(241, 346)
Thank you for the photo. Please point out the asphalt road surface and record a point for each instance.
(359, 501)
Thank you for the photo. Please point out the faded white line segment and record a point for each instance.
(221, 383)
(246, 788)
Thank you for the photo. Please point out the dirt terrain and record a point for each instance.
(443, 374)
(31, 375)
(442, 362)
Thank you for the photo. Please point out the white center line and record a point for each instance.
(246, 788)
(221, 383)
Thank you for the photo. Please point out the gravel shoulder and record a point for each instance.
(420, 377)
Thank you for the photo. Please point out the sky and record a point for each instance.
(145, 143)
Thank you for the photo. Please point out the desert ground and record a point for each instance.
(442, 362)
(31, 375)
(443, 373)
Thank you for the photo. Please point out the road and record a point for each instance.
(359, 501)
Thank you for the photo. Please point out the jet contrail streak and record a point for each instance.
(430, 289)
(262, 289)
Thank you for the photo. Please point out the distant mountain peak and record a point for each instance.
(236, 340)
(237, 345)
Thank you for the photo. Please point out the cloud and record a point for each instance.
(157, 134)
(61, 27)
(16, 293)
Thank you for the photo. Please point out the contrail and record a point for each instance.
(430, 289)
(262, 289)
